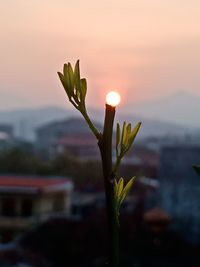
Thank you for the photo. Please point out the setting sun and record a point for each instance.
(113, 98)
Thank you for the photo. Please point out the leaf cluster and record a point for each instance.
(74, 85)
(124, 141)
(76, 90)
(121, 192)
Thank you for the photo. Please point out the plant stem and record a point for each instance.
(116, 166)
(90, 124)
(105, 146)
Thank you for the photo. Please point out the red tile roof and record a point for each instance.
(81, 140)
(35, 183)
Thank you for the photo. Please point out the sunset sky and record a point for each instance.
(144, 49)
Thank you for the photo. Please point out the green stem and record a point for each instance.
(105, 146)
(116, 166)
(90, 124)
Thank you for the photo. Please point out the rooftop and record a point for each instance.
(33, 184)
(77, 140)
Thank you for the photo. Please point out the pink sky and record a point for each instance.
(144, 49)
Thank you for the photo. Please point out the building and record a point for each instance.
(6, 136)
(84, 146)
(72, 136)
(25, 201)
(7, 129)
(180, 189)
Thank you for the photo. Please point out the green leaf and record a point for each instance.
(67, 78)
(83, 89)
(62, 79)
(129, 185)
(197, 169)
(118, 189)
(64, 83)
(128, 128)
(65, 70)
(133, 135)
(77, 77)
(71, 75)
(126, 190)
(118, 135)
(123, 136)
(128, 131)
(115, 187)
(120, 186)
(78, 95)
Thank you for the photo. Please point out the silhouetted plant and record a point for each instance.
(115, 191)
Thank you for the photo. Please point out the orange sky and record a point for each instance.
(144, 49)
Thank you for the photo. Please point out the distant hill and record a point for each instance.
(156, 128)
(181, 108)
(28, 120)
(71, 126)
(25, 121)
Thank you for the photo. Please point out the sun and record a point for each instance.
(113, 98)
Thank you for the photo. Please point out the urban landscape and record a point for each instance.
(99, 133)
(54, 182)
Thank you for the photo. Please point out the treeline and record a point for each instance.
(26, 162)
(87, 175)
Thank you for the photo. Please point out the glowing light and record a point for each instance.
(113, 98)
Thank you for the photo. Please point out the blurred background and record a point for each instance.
(52, 206)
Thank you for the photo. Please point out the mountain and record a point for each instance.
(151, 127)
(181, 108)
(27, 121)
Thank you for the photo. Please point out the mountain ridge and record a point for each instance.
(25, 126)
(159, 117)
(180, 108)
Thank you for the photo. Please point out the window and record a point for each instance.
(27, 207)
(8, 207)
(59, 203)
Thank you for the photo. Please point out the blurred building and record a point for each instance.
(71, 136)
(6, 136)
(180, 189)
(84, 146)
(8, 129)
(25, 201)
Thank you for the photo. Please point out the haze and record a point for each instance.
(143, 49)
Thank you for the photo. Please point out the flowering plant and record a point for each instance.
(115, 191)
